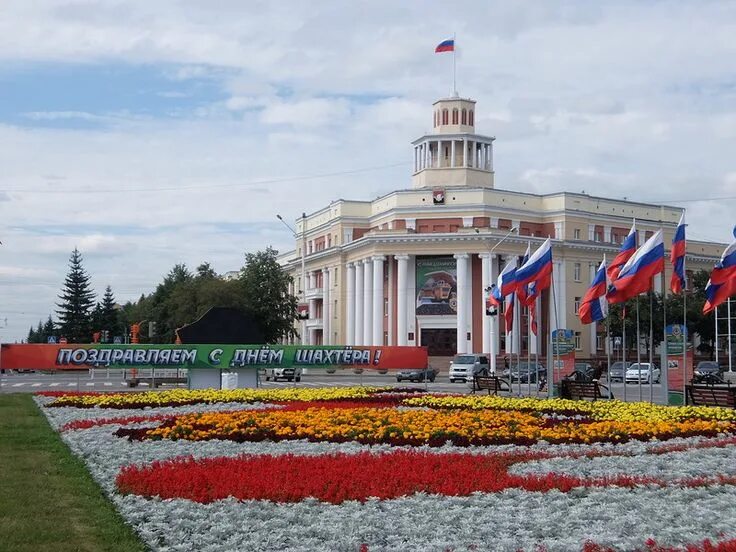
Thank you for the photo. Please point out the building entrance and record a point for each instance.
(440, 341)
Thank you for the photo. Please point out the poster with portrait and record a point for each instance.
(436, 285)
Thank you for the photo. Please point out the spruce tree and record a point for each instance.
(49, 329)
(32, 336)
(77, 300)
(109, 316)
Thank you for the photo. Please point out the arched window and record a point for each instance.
(464, 117)
(434, 118)
(470, 117)
(454, 116)
(444, 117)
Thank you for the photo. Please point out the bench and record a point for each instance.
(582, 390)
(490, 383)
(711, 395)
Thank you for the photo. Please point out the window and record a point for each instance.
(599, 342)
(576, 273)
(334, 310)
(444, 117)
(577, 305)
(576, 233)
(334, 280)
(454, 116)
(464, 117)
(385, 306)
(578, 345)
(470, 118)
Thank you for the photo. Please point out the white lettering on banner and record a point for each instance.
(175, 356)
(140, 356)
(104, 357)
(189, 356)
(117, 356)
(214, 356)
(128, 356)
(153, 356)
(79, 356)
(64, 356)
(164, 356)
(92, 357)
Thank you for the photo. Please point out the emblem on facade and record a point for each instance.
(438, 197)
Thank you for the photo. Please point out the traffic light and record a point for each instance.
(104, 336)
(151, 329)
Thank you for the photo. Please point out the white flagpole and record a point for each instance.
(454, 66)
(556, 344)
(623, 348)
(730, 355)
(651, 343)
(715, 342)
(638, 345)
(684, 323)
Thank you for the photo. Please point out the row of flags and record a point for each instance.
(525, 283)
(632, 271)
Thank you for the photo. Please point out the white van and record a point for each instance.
(465, 367)
(289, 373)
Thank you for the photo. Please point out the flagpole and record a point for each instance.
(684, 323)
(730, 355)
(715, 343)
(638, 346)
(557, 336)
(651, 343)
(664, 384)
(538, 309)
(529, 353)
(454, 66)
(608, 354)
(517, 314)
(623, 350)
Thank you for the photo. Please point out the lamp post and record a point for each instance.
(488, 290)
(303, 290)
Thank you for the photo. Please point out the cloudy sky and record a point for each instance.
(151, 133)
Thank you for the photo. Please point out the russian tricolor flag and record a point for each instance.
(445, 46)
(537, 269)
(636, 275)
(523, 291)
(594, 306)
(624, 254)
(505, 285)
(677, 256)
(722, 283)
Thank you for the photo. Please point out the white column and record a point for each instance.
(465, 152)
(326, 310)
(452, 154)
(350, 304)
(378, 300)
(462, 298)
(593, 326)
(427, 155)
(485, 263)
(367, 302)
(490, 157)
(401, 299)
(391, 291)
(359, 294)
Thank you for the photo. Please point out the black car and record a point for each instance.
(617, 371)
(417, 374)
(708, 371)
(525, 372)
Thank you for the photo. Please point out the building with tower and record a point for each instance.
(411, 267)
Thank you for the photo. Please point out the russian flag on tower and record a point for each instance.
(677, 256)
(445, 46)
(722, 283)
(636, 275)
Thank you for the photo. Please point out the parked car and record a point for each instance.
(288, 373)
(708, 371)
(643, 372)
(526, 372)
(466, 367)
(618, 371)
(417, 374)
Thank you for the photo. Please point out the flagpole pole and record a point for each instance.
(715, 343)
(608, 354)
(651, 343)
(529, 353)
(517, 314)
(730, 355)
(638, 346)
(454, 66)
(556, 344)
(538, 309)
(684, 323)
(664, 384)
(623, 353)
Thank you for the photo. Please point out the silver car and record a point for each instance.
(617, 371)
(643, 373)
(465, 367)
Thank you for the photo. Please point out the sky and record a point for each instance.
(153, 133)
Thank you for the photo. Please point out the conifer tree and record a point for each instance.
(77, 300)
(110, 319)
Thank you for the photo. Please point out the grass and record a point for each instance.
(48, 499)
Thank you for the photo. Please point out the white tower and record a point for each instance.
(453, 155)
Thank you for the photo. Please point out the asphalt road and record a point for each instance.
(112, 380)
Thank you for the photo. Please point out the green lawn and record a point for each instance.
(48, 500)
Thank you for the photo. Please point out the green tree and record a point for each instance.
(32, 335)
(265, 288)
(77, 299)
(110, 317)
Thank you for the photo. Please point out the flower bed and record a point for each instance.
(289, 470)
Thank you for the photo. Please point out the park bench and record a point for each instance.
(583, 390)
(489, 383)
(711, 395)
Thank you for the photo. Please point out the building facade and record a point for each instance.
(411, 267)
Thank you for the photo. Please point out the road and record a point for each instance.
(112, 380)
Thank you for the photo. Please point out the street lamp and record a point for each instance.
(513, 230)
(303, 289)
